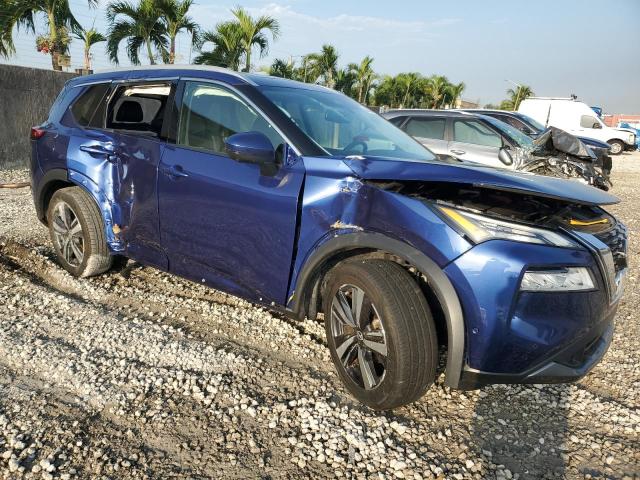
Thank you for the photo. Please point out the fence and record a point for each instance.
(26, 94)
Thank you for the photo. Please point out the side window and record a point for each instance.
(473, 131)
(211, 113)
(139, 109)
(397, 121)
(426, 128)
(88, 109)
(587, 121)
(514, 122)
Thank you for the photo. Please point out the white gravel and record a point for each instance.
(140, 374)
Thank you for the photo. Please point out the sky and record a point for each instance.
(558, 47)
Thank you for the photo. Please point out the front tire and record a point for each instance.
(380, 333)
(617, 147)
(77, 233)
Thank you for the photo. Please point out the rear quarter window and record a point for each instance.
(89, 108)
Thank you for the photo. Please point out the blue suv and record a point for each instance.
(295, 197)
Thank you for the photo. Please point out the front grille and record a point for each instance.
(616, 239)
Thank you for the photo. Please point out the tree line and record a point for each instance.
(151, 27)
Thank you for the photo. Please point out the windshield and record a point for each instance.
(343, 127)
(531, 121)
(516, 135)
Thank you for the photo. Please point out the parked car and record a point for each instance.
(296, 197)
(534, 129)
(635, 128)
(577, 118)
(486, 140)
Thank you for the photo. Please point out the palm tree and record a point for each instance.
(436, 89)
(324, 65)
(89, 38)
(454, 92)
(252, 33)
(516, 96)
(227, 46)
(364, 78)
(22, 13)
(141, 25)
(175, 19)
(345, 80)
(283, 69)
(409, 86)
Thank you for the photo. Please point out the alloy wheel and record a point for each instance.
(68, 234)
(359, 337)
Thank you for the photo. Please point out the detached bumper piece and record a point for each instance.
(568, 366)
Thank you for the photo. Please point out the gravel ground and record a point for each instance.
(140, 374)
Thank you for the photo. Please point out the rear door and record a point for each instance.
(119, 149)
(475, 141)
(430, 131)
(231, 225)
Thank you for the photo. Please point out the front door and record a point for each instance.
(228, 224)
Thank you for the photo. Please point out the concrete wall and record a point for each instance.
(26, 95)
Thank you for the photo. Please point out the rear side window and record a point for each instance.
(426, 128)
(475, 132)
(88, 110)
(139, 109)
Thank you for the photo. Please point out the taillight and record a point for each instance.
(37, 133)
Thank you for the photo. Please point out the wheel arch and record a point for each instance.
(304, 301)
(52, 181)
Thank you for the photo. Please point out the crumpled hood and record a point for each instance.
(572, 191)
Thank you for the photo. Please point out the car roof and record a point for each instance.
(196, 71)
(420, 112)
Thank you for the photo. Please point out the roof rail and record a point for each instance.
(550, 98)
(209, 68)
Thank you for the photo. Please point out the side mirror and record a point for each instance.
(596, 125)
(504, 155)
(250, 147)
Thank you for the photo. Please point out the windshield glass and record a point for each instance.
(531, 121)
(516, 135)
(343, 127)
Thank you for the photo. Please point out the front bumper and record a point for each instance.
(531, 337)
(569, 365)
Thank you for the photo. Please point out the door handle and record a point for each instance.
(458, 152)
(98, 150)
(175, 171)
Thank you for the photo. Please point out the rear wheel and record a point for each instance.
(617, 147)
(77, 233)
(380, 332)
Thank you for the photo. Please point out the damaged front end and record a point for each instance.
(557, 153)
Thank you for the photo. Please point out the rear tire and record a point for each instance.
(380, 333)
(617, 147)
(77, 233)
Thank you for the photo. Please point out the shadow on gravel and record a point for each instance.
(525, 429)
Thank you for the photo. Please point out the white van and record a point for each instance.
(578, 118)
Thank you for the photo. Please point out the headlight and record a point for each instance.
(632, 138)
(479, 228)
(568, 279)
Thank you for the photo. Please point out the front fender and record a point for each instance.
(436, 278)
